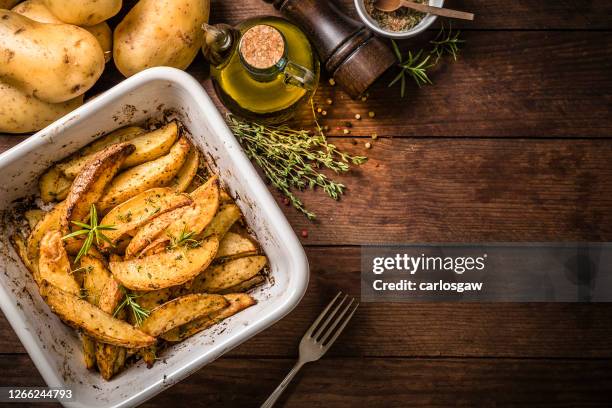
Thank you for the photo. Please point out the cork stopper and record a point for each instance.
(262, 46)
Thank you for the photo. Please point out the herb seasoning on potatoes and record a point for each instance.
(142, 249)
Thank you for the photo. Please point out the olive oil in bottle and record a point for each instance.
(263, 69)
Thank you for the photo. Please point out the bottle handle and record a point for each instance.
(299, 76)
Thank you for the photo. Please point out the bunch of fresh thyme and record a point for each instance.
(292, 159)
(415, 66)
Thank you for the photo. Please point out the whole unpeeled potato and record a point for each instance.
(159, 33)
(37, 10)
(7, 4)
(84, 12)
(53, 62)
(20, 113)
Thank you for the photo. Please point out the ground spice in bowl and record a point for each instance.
(399, 20)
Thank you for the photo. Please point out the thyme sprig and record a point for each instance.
(185, 239)
(415, 66)
(93, 231)
(292, 159)
(139, 312)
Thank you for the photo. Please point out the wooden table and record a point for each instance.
(512, 143)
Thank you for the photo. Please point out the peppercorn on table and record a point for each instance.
(510, 143)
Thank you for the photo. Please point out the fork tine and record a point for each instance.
(322, 315)
(340, 329)
(330, 317)
(329, 330)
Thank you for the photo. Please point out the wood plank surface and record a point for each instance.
(379, 383)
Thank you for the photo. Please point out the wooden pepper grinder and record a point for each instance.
(348, 50)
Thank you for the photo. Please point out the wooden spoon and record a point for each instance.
(392, 5)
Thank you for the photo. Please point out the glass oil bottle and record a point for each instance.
(263, 69)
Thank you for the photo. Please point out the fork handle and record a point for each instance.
(269, 403)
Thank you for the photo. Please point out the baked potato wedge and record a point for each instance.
(219, 278)
(89, 351)
(51, 221)
(245, 285)
(182, 310)
(95, 278)
(89, 186)
(183, 178)
(147, 146)
(34, 216)
(93, 321)
(235, 245)
(223, 221)
(170, 268)
(135, 212)
(53, 185)
(155, 173)
(237, 303)
(21, 248)
(192, 220)
(54, 265)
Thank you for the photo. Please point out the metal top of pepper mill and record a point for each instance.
(348, 50)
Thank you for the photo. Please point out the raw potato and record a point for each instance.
(53, 185)
(156, 173)
(182, 310)
(186, 174)
(192, 219)
(54, 265)
(38, 11)
(170, 268)
(135, 212)
(234, 245)
(88, 187)
(7, 4)
(93, 321)
(159, 33)
(219, 278)
(22, 113)
(52, 62)
(84, 12)
(148, 146)
(237, 303)
(51, 221)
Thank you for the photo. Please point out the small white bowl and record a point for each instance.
(398, 35)
(54, 347)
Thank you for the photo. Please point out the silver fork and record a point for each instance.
(318, 339)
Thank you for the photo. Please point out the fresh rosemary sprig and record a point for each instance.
(140, 313)
(415, 66)
(185, 239)
(93, 231)
(292, 159)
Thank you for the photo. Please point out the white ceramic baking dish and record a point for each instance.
(54, 347)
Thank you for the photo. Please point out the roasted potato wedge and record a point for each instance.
(221, 277)
(22, 250)
(93, 321)
(151, 300)
(96, 276)
(156, 173)
(147, 146)
(223, 221)
(54, 265)
(170, 268)
(225, 198)
(182, 310)
(192, 220)
(53, 185)
(135, 212)
(235, 245)
(34, 216)
(89, 351)
(110, 359)
(183, 178)
(146, 235)
(51, 221)
(88, 187)
(237, 303)
(245, 285)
